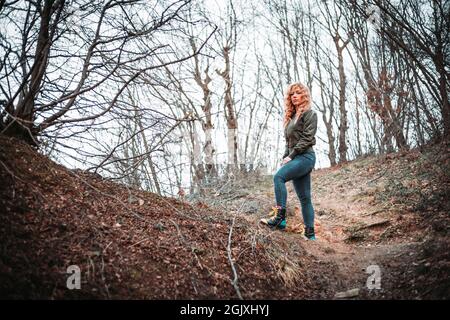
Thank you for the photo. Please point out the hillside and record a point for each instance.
(391, 211)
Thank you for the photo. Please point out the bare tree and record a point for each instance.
(226, 40)
(421, 35)
(333, 21)
(63, 63)
(327, 84)
(383, 82)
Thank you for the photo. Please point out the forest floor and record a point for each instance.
(391, 211)
(388, 213)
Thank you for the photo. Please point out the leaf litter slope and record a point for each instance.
(132, 244)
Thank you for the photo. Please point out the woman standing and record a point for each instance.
(300, 126)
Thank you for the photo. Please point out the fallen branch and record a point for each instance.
(376, 178)
(10, 172)
(371, 225)
(184, 242)
(375, 212)
(102, 273)
(347, 294)
(235, 280)
(136, 243)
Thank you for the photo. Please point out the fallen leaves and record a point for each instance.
(81, 219)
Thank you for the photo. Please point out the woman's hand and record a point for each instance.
(286, 160)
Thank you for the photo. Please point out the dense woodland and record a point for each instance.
(170, 96)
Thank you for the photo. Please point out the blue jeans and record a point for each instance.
(299, 171)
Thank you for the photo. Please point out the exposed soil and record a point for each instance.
(391, 211)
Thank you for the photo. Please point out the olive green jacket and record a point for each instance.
(300, 137)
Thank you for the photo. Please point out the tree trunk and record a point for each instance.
(230, 114)
(342, 110)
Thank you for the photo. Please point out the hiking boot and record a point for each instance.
(277, 219)
(309, 233)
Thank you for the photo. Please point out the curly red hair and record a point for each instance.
(289, 108)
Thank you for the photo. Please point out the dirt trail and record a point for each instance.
(336, 213)
(362, 219)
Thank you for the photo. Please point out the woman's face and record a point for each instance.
(296, 96)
